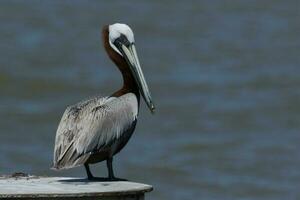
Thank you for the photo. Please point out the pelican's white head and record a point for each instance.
(117, 31)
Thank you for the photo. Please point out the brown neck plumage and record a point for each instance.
(129, 84)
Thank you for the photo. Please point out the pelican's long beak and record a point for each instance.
(129, 52)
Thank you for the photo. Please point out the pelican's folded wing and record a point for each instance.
(90, 126)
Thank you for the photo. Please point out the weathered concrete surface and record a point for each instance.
(32, 187)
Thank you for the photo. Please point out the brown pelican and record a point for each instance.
(96, 129)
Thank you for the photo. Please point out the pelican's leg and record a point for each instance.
(111, 175)
(88, 172)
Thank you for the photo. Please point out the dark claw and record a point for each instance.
(117, 179)
(102, 179)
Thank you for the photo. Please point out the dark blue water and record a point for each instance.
(225, 76)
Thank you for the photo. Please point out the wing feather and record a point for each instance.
(90, 126)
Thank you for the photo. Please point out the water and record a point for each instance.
(224, 76)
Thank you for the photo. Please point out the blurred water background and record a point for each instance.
(225, 77)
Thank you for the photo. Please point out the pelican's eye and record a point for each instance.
(122, 40)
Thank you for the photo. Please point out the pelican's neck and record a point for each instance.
(129, 84)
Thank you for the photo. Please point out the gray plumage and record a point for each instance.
(97, 126)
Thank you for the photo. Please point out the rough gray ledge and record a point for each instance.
(32, 187)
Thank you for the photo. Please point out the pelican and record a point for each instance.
(95, 130)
